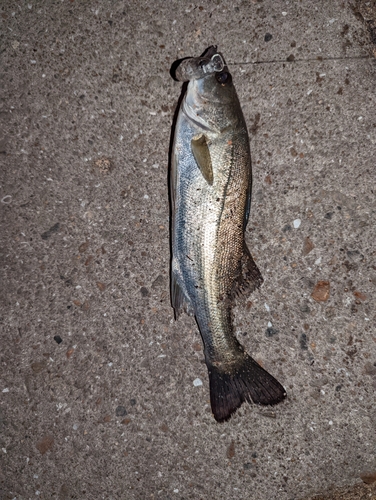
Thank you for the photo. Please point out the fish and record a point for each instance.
(210, 197)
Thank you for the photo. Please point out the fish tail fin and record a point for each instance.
(247, 381)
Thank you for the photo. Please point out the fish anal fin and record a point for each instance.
(201, 153)
(249, 277)
(179, 301)
(245, 381)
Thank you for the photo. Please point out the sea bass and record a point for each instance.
(210, 190)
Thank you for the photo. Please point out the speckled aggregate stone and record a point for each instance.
(100, 387)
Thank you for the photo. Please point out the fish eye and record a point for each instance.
(223, 78)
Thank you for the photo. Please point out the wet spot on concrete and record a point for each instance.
(53, 229)
(45, 444)
(120, 411)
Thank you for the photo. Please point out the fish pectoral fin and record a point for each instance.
(244, 381)
(179, 300)
(249, 277)
(201, 153)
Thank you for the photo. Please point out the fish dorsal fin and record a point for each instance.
(200, 150)
(249, 277)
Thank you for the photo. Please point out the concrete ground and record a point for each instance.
(97, 393)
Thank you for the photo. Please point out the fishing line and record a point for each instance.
(318, 59)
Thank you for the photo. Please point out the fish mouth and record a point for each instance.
(195, 68)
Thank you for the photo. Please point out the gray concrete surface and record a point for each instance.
(111, 412)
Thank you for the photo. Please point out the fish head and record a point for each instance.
(211, 98)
